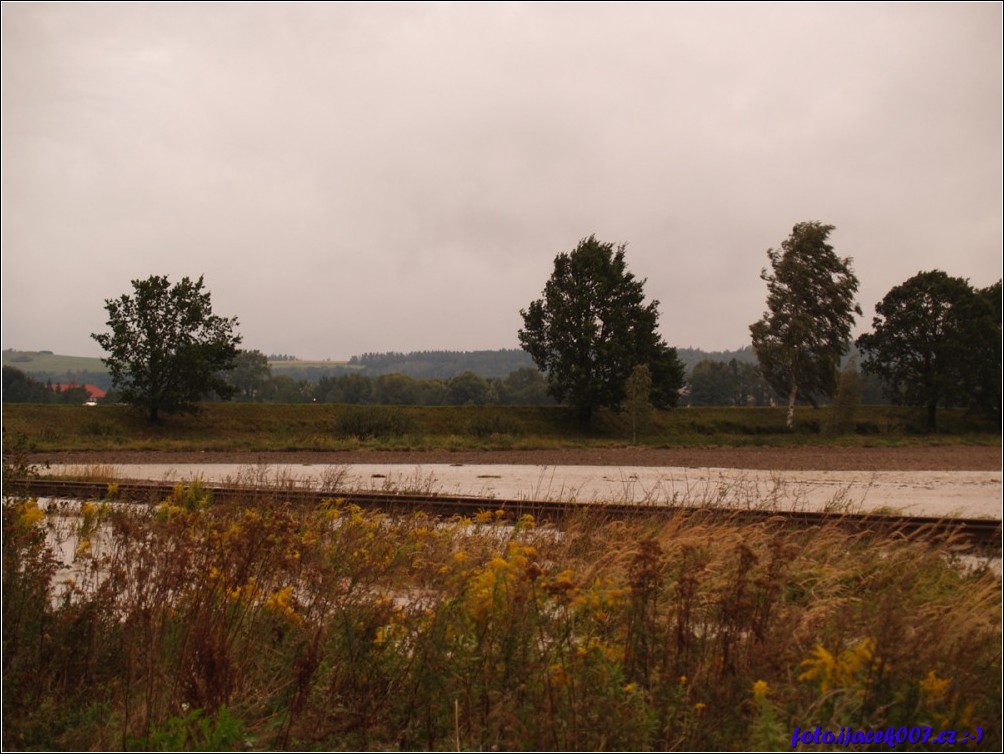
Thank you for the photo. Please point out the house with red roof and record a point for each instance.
(93, 391)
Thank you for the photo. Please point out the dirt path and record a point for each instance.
(944, 458)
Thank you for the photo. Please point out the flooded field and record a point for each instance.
(933, 493)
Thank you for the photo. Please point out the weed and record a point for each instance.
(373, 421)
(268, 625)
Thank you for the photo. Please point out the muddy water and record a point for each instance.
(933, 493)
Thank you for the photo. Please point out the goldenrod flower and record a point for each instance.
(31, 514)
(934, 688)
(760, 689)
(848, 669)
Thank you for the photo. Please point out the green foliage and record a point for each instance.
(166, 347)
(810, 311)
(469, 389)
(711, 383)
(398, 390)
(592, 327)
(195, 731)
(347, 388)
(282, 388)
(525, 387)
(847, 400)
(443, 364)
(249, 375)
(18, 387)
(937, 341)
(735, 383)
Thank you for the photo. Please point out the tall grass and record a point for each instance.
(236, 427)
(190, 625)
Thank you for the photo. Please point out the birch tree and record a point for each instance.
(806, 329)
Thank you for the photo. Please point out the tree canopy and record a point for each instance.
(810, 312)
(592, 327)
(166, 347)
(937, 341)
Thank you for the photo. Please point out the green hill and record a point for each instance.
(47, 362)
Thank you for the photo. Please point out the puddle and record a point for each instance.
(926, 493)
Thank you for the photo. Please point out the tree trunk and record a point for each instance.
(791, 406)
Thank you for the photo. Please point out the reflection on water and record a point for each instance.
(933, 493)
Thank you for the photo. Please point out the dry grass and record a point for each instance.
(192, 625)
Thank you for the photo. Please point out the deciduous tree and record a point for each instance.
(810, 312)
(166, 348)
(937, 341)
(592, 327)
(249, 375)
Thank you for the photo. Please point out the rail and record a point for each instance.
(966, 532)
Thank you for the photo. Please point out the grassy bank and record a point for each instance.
(198, 626)
(262, 427)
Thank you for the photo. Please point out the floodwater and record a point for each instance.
(921, 493)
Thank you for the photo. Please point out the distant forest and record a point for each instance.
(504, 376)
(499, 363)
(440, 365)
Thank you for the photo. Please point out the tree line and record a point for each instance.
(595, 341)
(445, 364)
(18, 387)
(253, 381)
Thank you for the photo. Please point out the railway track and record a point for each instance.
(977, 533)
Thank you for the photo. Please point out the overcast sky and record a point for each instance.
(374, 177)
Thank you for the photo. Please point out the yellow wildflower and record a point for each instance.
(934, 688)
(848, 669)
(760, 689)
(31, 514)
(279, 603)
